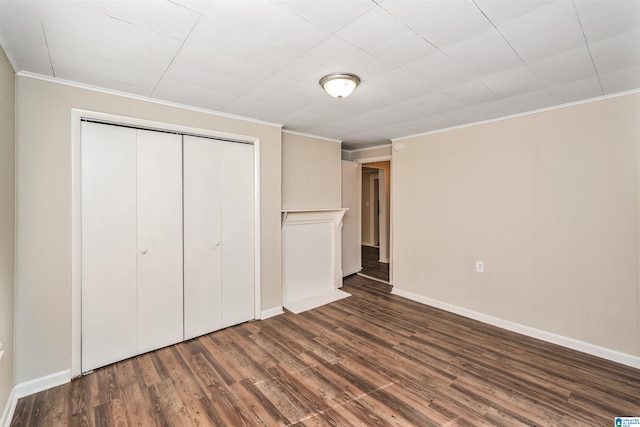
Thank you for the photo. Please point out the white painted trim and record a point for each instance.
(584, 347)
(272, 312)
(142, 98)
(257, 251)
(338, 141)
(9, 409)
(76, 212)
(43, 383)
(513, 116)
(367, 149)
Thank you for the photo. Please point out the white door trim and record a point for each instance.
(76, 210)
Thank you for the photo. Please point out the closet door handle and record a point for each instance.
(144, 251)
(216, 243)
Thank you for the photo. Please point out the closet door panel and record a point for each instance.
(109, 298)
(159, 225)
(237, 233)
(202, 237)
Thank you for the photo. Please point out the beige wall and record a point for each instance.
(43, 174)
(548, 201)
(7, 223)
(311, 172)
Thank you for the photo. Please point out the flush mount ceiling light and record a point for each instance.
(339, 85)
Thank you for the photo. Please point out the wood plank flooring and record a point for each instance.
(373, 359)
(371, 266)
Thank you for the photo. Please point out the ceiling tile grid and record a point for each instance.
(424, 65)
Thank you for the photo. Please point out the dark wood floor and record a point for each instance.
(371, 266)
(373, 359)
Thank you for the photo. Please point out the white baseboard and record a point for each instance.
(30, 387)
(271, 312)
(9, 408)
(42, 383)
(595, 350)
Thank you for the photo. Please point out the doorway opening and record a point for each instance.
(375, 220)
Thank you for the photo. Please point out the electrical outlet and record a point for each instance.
(479, 267)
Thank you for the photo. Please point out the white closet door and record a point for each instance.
(202, 237)
(109, 300)
(237, 233)
(159, 224)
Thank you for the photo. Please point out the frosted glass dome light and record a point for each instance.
(339, 85)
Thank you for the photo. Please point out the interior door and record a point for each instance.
(109, 296)
(238, 291)
(351, 228)
(202, 237)
(159, 225)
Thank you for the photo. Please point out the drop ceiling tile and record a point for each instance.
(373, 28)
(316, 11)
(218, 64)
(616, 53)
(405, 49)
(543, 20)
(304, 70)
(621, 80)
(534, 100)
(417, 14)
(576, 90)
(431, 103)
(470, 93)
(109, 77)
(223, 83)
(438, 70)
(63, 41)
(461, 23)
(36, 68)
(112, 8)
(341, 55)
(184, 92)
(216, 35)
(64, 62)
(164, 17)
(495, 109)
(146, 42)
(195, 5)
(500, 12)
(463, 116)
(512, 81)
(601, 20)
(550, 43)
(397, 84)
(85, 23)
(564, 67)
(20, 20)
(486, 53)
(270, 22)
(24, 51)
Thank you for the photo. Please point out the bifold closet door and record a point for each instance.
(218, 235)
(109, 272)
(131, 242)
(159, 226)
(238, 292)
(202, 237)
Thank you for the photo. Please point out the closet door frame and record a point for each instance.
(77, 116)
